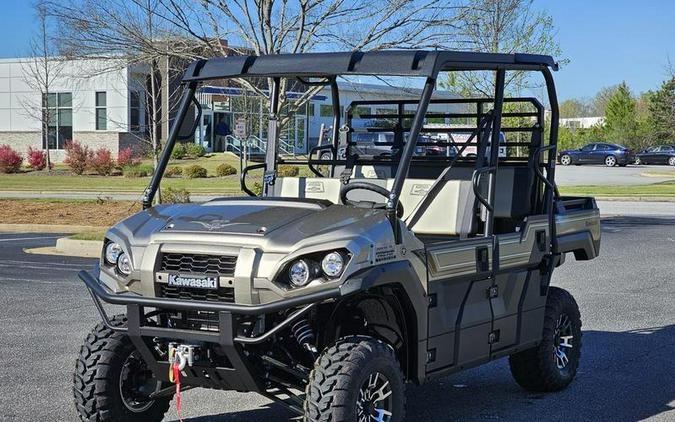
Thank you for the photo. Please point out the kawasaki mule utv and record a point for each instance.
(329, 293)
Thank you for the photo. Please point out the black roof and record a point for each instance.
(386, 63)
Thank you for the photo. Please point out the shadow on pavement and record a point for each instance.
(627, 221)
(624, 377)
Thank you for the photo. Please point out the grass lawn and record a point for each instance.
(61, 181)
(89, 235)
(662, 189)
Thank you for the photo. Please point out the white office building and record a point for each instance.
(91, 101)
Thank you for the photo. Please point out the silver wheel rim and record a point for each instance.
(610, 161)
(638, 161)
(135, 382)
(375, 401)
(563, 341)
(671, 161)
(565, 160)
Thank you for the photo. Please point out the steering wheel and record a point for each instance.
(369, 187)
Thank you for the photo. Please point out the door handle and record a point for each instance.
(482, 259)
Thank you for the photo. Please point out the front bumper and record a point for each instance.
(239, 373)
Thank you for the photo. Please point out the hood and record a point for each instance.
(270, 222)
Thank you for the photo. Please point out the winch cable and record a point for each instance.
(177, 361)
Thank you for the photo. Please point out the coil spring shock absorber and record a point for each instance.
(304, 334)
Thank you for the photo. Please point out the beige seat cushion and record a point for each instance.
(449, 213)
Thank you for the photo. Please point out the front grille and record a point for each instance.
(221, 294)
(198, 264)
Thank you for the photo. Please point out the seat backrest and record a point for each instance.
(449, 213)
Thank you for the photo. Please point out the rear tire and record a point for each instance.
(610, 161)
(98, 383)
(357, 379)
(552, 365)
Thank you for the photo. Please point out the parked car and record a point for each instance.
(660, 154)
(597, 153)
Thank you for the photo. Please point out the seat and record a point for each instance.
(450, 213)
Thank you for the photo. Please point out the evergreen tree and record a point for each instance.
(662, 111)
(620, 117)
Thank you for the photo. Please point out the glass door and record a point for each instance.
(204, 132)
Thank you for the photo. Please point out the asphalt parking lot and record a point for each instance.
(600, 175)
(627, 299)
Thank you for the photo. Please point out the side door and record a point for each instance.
(660, 155)
(586, 153)
(668, 152)
(598, 154)
(460, 317)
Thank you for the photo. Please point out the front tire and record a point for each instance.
(552, 365)
(111, 381)
(565, 160)
(671, 161)
(357, 379)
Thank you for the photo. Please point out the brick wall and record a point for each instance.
(114, 141)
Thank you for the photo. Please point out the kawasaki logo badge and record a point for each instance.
(196, 282)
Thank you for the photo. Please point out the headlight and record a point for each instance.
(333, 264)
(299, 273)
(112, 253)
(124, 264)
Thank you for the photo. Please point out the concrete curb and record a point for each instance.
(70, 247)
(47, 228)
(82, 248)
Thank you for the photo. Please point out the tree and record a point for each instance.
(661, 105)
(573, 108)
(129, 33)
(261, 27)
(40, 72)
(599, 102)
(620, 117)
(502, 26)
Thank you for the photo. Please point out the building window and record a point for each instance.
(59, 110)
(134, 111)
(326, 110)
(101, 117)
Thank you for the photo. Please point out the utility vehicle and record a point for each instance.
(329, 293)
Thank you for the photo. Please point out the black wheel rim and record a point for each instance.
(375, 402)
(136, 384)
(563, 341)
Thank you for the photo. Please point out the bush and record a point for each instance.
(102, 162)
(10, 160)
(173, 172)
(37, 159)
(179, 151)
(138, 170)
(194, 172)
(257, 188)
(78, 157)
(225, 169)
(175, 196)
(126, 158)
(288, 171)
(195, 150)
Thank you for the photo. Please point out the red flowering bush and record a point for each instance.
(102, 162)
(36, 158)
(126, 158)
(10, 160)
(78, 157)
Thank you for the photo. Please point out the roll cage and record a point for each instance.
(324, 68)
